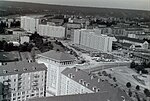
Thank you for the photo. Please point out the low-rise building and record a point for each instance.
(136, 42)
(133, 31)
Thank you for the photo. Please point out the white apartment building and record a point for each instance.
(56, 62)
(51, 31)
(94, 40)
(30, 24)
(22, 80)
(76, 81)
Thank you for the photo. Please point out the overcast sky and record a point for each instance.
(128, 4)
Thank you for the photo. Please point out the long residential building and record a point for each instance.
(56, 62)
(51, 31)
(93, 39)
(76, 81)
(22, 80)
(33, 24)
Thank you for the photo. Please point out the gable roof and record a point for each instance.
(105, 96)
(58, 56)
(103, 86)
(21, 67)
(129, 39)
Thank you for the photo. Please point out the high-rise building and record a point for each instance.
(22, 80)
(51, 31)
(30, 24)
(93, 39)
(33, 24)
(56, 62)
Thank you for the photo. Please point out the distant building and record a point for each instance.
(15, 31)
(56, 62)
(93, 39)
(30, 24)
(22, 80)
(105, 30)
(51, 31)
(56, 22)
(24, 39)
(143, 57)
(105, 96)
(118, 31)
(136, 42)
(133, 31)
(76, 81)
(139, 36)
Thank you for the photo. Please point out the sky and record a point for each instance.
(125, 4)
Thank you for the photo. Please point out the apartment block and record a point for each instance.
(93, 39)
(56, 62)
(77, 81)
(22, 80)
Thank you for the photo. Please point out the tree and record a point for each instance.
(147, 92)
(137, 87)
(128, 84)
(132, 65)
(115, 80)
(144, 64)
(130, 93)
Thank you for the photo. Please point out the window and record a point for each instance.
(18, 97)
(32, 94)
(14, 94)
(19, 94)
(23, 93)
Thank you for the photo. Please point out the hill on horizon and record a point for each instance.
(21, 8)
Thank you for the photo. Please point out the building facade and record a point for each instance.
(76, 81)
(94, 40)
(51, 31)
(56, 62)
(22, 80)
(30, 24)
